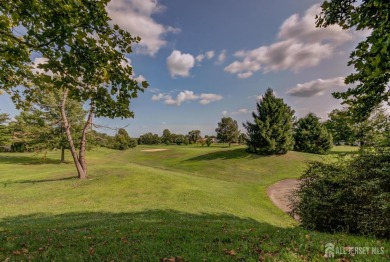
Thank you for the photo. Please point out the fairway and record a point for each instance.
(188, 202)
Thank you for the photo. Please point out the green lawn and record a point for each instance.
(190, 202)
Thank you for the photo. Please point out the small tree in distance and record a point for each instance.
(271, 132)
(227, 130)
(311, 136)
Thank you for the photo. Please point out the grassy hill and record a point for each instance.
(189, 202)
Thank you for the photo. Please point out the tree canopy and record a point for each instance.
(227, 130)
(370, 58)
(79, 52)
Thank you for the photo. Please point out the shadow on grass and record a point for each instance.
(143, 236)
(27, 160)
(39, 181)
(154, 235)
(238, 153)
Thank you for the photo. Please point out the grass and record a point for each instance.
(189, 202)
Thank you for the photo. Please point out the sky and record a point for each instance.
(205, 60)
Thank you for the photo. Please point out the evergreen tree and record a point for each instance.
(227, 130)
(271, 132)
(311, 136)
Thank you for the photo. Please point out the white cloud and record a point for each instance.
(210, 54)
(199, 58)
(224, 113)
(187, 95)
(180, 64)
(240, 111)
(300, 45)
(316, 87)
(208, 98)
(221, 57)
(135, 16)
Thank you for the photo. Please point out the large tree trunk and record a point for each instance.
(82, 174)
(83, 140)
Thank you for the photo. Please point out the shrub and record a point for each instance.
(347, 195)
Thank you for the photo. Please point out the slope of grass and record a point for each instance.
(191, 202)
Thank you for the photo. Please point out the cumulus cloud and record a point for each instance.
(199, 58)
(316, 87)
(210, 54)
(180, 64)
(300, 45)
(221, 57)
(224, 113)
(186, 95)
(135, 16)
(208, 98)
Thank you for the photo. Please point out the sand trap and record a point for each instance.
(154, 150)
(280, 192)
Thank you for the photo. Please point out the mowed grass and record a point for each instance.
(190, 202)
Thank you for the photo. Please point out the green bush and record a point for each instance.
(350, 195)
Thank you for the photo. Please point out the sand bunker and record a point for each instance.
(279, 193)
(154, 150)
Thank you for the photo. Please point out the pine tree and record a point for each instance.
(311, 136)
(271, 132)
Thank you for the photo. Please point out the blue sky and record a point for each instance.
(209, 59)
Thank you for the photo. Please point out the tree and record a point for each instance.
(271, 132)
(311, 136)
(149, 139)
(83, 55)
(167, 137)
(193, 136)
(208, 141)
(242, 138)
(370, 58)
(372, 131)
(227, 130)
(341, 126)
(40, 127)
(5, 133)
(123, 140)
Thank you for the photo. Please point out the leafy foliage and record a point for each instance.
(193, 136)
(82, 54)
(371, 132)
(311, 136)
(271, 132)
(40, 127)
(348, 195)
(5, 132)
(149, 139)
(167, 137)
(227, 130)
(370, 58)
(123, 140)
